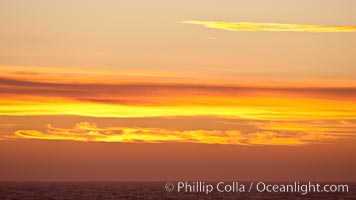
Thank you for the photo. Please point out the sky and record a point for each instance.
(159, 90)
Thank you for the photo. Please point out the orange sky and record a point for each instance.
(129, 91)
(141, 118)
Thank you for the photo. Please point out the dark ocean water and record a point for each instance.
(135, 190)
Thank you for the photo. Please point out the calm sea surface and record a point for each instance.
(134, 190)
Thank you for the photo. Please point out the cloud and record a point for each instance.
(133, 93)
(20, 97)
(274, 27)
(265, 133)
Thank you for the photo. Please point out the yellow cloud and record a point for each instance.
(19, 98)
(89, 132)
(277, 27)
(251, 108)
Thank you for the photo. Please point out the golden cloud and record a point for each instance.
(276, 27)
(126, 100)
(272, 134)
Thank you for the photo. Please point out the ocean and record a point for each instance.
(137, 190)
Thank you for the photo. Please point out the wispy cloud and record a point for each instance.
(19, 97)
(264, 133)
(155, 100)
(276, 27)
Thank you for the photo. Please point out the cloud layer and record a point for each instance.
(156, 100)
(275, 115)
(264, 133)
(276, 27)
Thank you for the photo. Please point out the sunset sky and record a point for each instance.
(178, 90)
